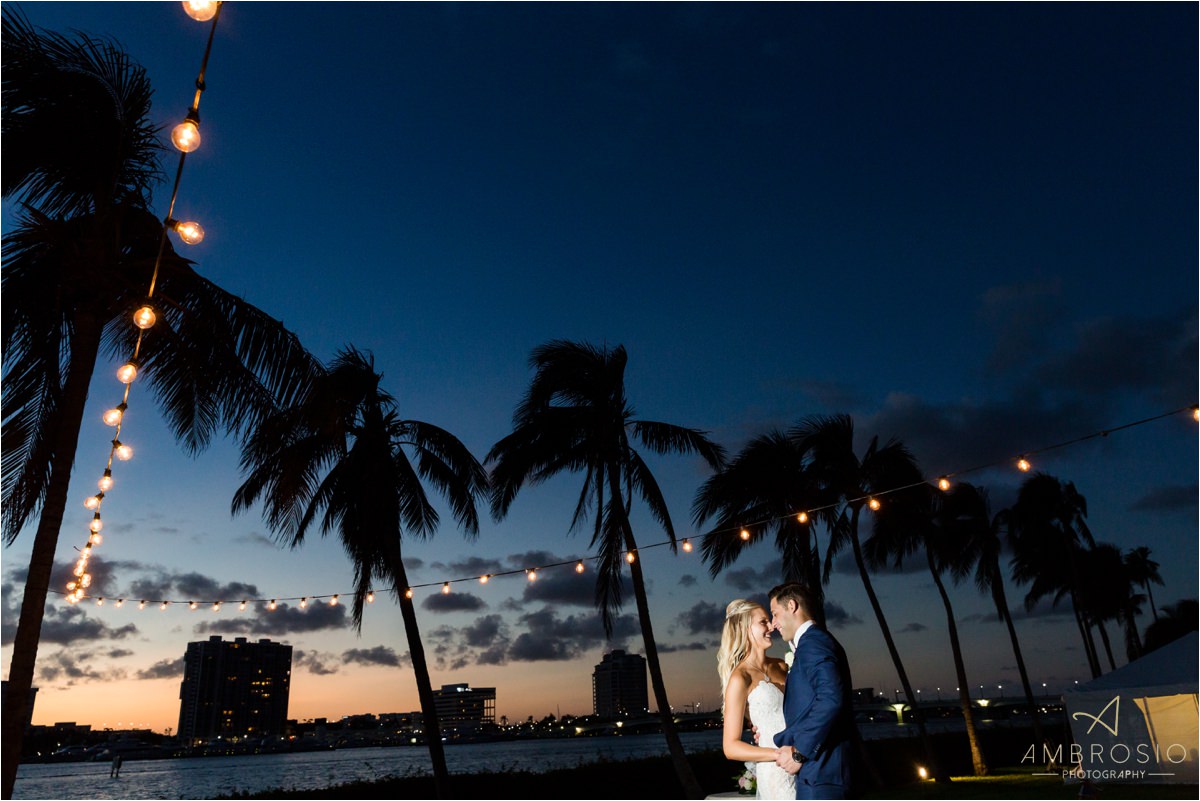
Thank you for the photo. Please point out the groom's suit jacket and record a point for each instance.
(818, 710)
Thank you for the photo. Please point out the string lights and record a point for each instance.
(942, 482)
(186, 138)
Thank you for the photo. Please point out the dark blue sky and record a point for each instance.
(972, 227)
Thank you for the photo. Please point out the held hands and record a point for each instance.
(783, 758)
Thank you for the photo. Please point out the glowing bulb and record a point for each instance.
(145, 318)
(71, 585)
(333, 601)
(141, 605)
(371, 597)
(484, 579)
(100, 601)
(802, 517)
(744, 534)
(579, 568)
(923, 773)
(95, 539)
(96, 523)
(943, 483)
(408, 593)
(163, 607)
(127, 372)
(271, 605)
(200, 10)
(217, 606)
(123, 452)
(1023, 465)
(186, 136)
(93, 501)
(193, 605)
(1196, 414)
(242, 606)
(687, 546)
(120, 602)
(190, 232)
(114, 415)
(630, 557)
(532, 574)
(106, 481)
(874, 504)
(78, 571)
(85, 580)
(303, 603)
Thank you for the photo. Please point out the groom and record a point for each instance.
(817, 743)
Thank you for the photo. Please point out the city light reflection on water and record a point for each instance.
(209, 777)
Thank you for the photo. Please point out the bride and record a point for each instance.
(752, 684)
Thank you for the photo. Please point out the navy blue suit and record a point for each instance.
(819, 713)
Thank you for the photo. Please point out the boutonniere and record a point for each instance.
(789, 656)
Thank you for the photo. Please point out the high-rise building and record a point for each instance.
(619, 685)
(463, 709)
(234, 689)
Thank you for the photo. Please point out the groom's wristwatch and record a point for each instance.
(799, 757)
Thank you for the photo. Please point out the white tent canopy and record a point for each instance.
(1139, 723)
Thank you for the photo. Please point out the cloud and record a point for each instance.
(318, 663)
(1044, 609)
(843, 563)
(256, 538)
(453, 602)
(69, 625)
(484, 632)
(687, 580)
(550, 638)
(286, 619)
(119, 653)
(747, 579)
(670, 648)
(164, 669)
(74, 669)
(1179, 497)
(533, 559)
(836, 615)
(702, 618)
(379, 655)
(471, 566)
(913, 627)
(564, 586)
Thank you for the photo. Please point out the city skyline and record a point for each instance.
(970, 227)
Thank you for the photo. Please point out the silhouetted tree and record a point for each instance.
(1143, 571)
(1177, 619)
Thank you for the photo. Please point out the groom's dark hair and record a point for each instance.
(804, 597)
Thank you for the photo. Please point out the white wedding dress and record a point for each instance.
(765, 703)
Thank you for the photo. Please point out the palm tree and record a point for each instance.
(841, 484)
(762, 490)
(1109, 594)
(1177, 620)
(575, 417)
(341, 453)
(77, 264)
(1047, 530)
(916, 519)
(967, 519)
(1144, 571)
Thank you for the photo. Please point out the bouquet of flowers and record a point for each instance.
(747, 783)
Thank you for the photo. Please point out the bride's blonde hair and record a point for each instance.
(735, 638)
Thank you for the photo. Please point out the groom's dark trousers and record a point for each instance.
(819, 713)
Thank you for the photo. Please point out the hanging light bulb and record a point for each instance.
(744, 534)
(95, 538)
(630, 557)
(163, 606)
(216, 606)
(874, 504)
(193, 605)
(802, 518)
(687, 546)
(1196, 413)
(79, 569)
(141, 605)
(71, 585)
(484, 579)
(446, 588)
(579, 568)
(333, 601)
(100, 601)
(303, 603)
(242, 606)
(186, 135)
(271, 606)
(200, 10)
(114, 415)
(106, 481)
(85, 580)
(121, 451)
(191, 233)
(408, 593)
(531, 574)
(943, 484)
(1023, 465)
(145, 317)
(370, 596)
(127, 372)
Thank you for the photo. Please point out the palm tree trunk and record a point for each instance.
(1002, 606)
(1150, 595)
(1089, 647)
(1107, 645)
(964, 695)
(918, 716)
(683, 769)
(433, 730)
(85, 345)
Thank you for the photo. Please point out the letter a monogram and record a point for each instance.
(1115, 703)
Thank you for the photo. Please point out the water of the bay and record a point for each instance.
(210, 777)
